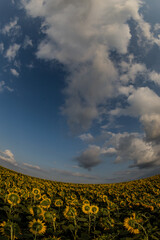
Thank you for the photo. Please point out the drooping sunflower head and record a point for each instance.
(48, 216)
(70, 213)
(37, 227)
(45, 203)
(131, 225)
(13, 199)
(94, 209)
(36, 210)
(86, 208)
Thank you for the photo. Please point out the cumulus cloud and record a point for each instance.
(8, 156)
(133, 147)
(12, 51)
(141, 101)
(151, 124)
(82, 40)
(155, 77)
(90, 157)
(14, 72)
(131, 69)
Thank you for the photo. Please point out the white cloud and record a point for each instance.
(131, 70)
(82, 39)
(151, 124)
(14, 72)
(141, 101)
(86, 137)
(12, 28)
(1, 47)
(8, 156)
(3, 86)
(155, 77)
(12, 51)
(27, 42)
(145, 34)
(133, 147)
(31, 166)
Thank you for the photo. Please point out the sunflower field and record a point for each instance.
(38, 209)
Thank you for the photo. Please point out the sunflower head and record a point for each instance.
(37, 226)
(36, 191)
(45, 203)
(105, 198)
(13, 199)
(58, 203)
(36, 210)
(70, 213)
(86, 208)
(94, 209)
(86, 202)
(131, 225)
(49, 216)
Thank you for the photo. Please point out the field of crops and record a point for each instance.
(33, 208)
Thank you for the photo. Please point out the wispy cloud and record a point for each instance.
(14, 72)
(86, 137)
(12, 51)
(31, 166)
(3, 87)
(27, 42)
(8, 156)
(1, 47)
(11, 28)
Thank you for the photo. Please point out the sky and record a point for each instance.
(80, 89)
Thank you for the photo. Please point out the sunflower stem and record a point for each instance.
(143, 230)
(12, 232)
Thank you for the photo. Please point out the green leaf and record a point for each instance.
(82, 219)
(154, 237)
(71, 227)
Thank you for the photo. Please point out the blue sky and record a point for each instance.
(80, 89)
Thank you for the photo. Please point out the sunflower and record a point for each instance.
(49, 216)
(130, 224)
(36, 210)
(13, 199)
(70, 213)
(45, 203)
(5, 228)
(105, 198)
(58, 203)
(36, 191)
(86, 208)
(94, 209)
(37, 227)
(86, 202)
